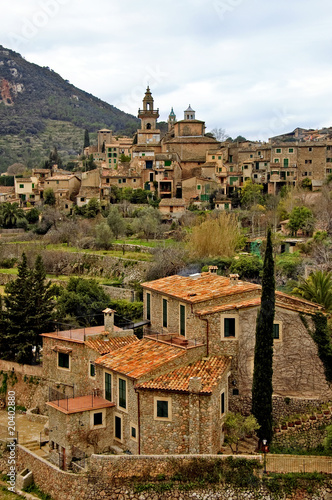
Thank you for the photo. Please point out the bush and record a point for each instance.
(247, 267)
(128, 310)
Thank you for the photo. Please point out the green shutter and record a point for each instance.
(276, 331)
(122, 393)
(285, 162)
(108, 386)
(148, 306)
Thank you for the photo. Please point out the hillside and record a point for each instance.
(40, 110)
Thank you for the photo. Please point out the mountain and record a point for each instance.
(40, 110)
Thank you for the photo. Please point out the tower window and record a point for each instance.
(148, 126)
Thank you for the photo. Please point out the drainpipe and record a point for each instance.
(138, 422)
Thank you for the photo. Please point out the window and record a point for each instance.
(219, 157)
(229, 327)
(33, 186)
(231, 169)
(21, 186)
(276, 160)
(309, 149)
(118, 427)
(308, 161)
(165, 313)
(213, 157)
(250, 156)
(119, 181)
(275, 331)
(278, 150)
(82, 199)
(122, 393)
(182, 320)
(328, 160)
(162, 408)
(124, 181)
(148, 306)
(222, 403)
(98, 418)
(230, 158)
(245, 167)
(63, 360)
(92, 369)
(198, 186)
(133, 432)
(290, 150)
(285, 162)
(168, 163)
(108, 386)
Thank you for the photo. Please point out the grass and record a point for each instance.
(110, 253)
(35, 490)
(144, 243)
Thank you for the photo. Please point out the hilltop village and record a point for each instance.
(118, 399)
(184, 166)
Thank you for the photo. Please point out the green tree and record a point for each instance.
(82, 302)
(300, 218)
(86, 143)
(104, 236)
(263, 360)
(11, 213)
(251, 194)
(237, 427)
(32, 215)
(92, 208)
(49, 197)
(115, 222)
(28, 312)
(148, 222)
(317, 288)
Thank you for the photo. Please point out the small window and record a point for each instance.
(198, 186)
(118, 427)
(108, 386)
(168, 163)
(63, 360)
(276, 331)
(162, 409)
(219, 157)
(165, 313)
(276, 160)
(92, 369)
(309, 149)
(148, 306)
(229, 327)
(213, 157)
(251, 156)
(119, 181)
(124, 181)
(290, 150)
(278, 150)
(98, 418)
(230, 158)
(21, 186)
(235, 392)
(133, 432)
(122, 393)
(182, 320)
(222, 403)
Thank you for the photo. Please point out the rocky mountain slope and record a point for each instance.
(40, 110)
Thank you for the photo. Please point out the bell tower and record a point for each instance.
(148, 133)
(171, 119)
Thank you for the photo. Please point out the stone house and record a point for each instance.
(221, 313)
(65, 186)
(27, 190)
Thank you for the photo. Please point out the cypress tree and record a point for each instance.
(263, 370)
(86, 139)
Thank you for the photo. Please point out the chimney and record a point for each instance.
(233, 279)
(109, 320)
(213, 269)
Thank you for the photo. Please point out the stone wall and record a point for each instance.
(117, 293)
(31, 370)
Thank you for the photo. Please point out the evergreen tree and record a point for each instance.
(28, 312)
(86, 139)
(263, 369)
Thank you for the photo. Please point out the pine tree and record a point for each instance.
(28, 312)
(86, 139)
(263, 369)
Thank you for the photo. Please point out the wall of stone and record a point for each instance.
(309, 434)
(29, 370)
(29, 389)
(117, 293)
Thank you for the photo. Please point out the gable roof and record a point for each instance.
(107, 345)
(140, 357)
(200, 287)
(209, 370)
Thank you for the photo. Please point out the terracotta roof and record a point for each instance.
(282, 300)
(200, 287)
(170, 202)
(140, 357)
(209, 370)
(112, 344)
(60, 177)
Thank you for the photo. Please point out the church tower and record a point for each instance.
(171, 119)
(189, 114)
(148, 132)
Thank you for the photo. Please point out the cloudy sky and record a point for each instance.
(253, 67)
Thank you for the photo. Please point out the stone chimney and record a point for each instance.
(233, 279)
(109, 320)
(213, 269)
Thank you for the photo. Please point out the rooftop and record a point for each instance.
(140, 358)
(106, 345)
(210, 370)
(200, 287)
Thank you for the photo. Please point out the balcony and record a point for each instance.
(171, 338)
(67, 404)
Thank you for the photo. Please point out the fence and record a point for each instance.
(72, 403)
(174, 339)
(298, 463)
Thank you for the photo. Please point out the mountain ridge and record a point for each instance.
(31, 96)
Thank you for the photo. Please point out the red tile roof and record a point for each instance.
(209, 370)
(205, 286)
(282, 300)
(104, 346)
(140, 357)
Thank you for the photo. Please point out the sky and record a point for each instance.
(255, 68)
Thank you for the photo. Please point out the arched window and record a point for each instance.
(148, 126)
